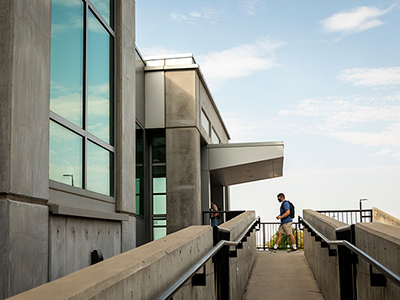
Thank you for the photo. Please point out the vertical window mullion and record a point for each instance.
(85, 91)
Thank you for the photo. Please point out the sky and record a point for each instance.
(321, 76)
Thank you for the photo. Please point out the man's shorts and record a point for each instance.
(286, 228)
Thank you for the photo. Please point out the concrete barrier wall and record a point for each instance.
(141, 273)
(382, 217)
(145, 272)
(382, 242)
(324, 267)
(241, 266)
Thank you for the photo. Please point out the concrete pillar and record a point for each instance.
(125, 106)
(183, 178)
(182, 111)
(25, 33)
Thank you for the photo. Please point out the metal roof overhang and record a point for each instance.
(245, 162)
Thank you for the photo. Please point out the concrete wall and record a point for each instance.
(183, 151)
(141, 273)
(145, 272)
(183, 178)
(384, 218)
(25, 46)
(23, 246)
(324, 267)
(25, 32)
(72, 241)
(241, 266)
(125, 60)
(381, 242)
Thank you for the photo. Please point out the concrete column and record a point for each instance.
(183, 178)
(183, 150)
(125, 106)
(25, 34)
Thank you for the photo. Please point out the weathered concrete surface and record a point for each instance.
(383, 217)
(241, 266)
(324, 267)
(382, 242)
(25, 93)
(282, 275)
(23, 246)
(183, 178)
(141, 273)
(125, 142)
(72, 241)
(181, 106)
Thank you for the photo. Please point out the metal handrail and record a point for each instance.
(388, 273)
(191, 271)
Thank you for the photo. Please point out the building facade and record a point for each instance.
(101, 149)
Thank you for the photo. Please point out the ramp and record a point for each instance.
(280, 276)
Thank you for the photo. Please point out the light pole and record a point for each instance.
(361, 216)
(72, 177)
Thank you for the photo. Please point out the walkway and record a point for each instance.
(280, 276)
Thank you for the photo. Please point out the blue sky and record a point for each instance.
(322, 76)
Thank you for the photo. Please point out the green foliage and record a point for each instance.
(285, 242)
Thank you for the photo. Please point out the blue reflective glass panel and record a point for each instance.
(67, 60)
(105, 8)
(99, 162)
(65, 158)
(99, 80)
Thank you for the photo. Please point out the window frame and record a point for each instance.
(83, 132)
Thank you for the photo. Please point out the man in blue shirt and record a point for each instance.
(286, 224)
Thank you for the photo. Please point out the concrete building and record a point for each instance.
(78, 171)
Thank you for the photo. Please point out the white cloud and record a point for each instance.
(355, 20)
(383, 152)
(240, 61)
(207, 14)
(371, 76)
(355, 120)
(177, 17)
(250, 7)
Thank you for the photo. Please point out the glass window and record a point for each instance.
(159, 187)
(159, 204)
(98, 169)
(66, 97)
(65, 164)
(204, 122)
(214, 137)
(159, 232)
(159, 150)
(139, 171)
(105, 7)
(99, 94)
(81, 95)
(160, 184)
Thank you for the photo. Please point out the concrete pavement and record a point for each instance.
(280, 276)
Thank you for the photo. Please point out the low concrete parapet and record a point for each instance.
(381, 242)
(324, 267)
(141, 273)
(241, 266)
(145, 272)
(382, 217)
(366, 264)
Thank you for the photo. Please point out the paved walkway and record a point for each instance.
(280, 276)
